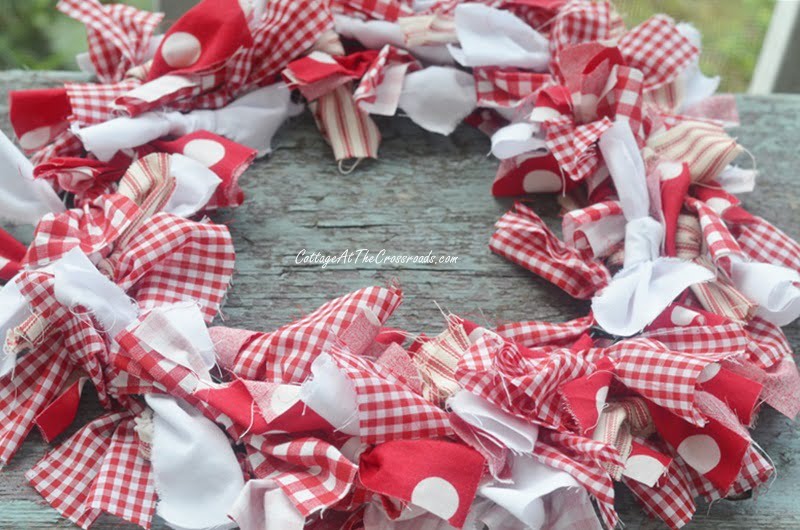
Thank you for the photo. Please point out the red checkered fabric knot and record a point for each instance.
(387, 409)
(286, 354)
(507, 87)
(119, 35)
(584, 21)
(98, 470)
(388, 10)
(522, 237)
(532, 334)
(312, 472)
(659, 50)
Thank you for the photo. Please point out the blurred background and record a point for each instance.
(33, 35)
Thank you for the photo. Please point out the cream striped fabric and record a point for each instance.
(426, 30)
(350, 131)
(707, 148)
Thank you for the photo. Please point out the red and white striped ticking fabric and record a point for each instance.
(428, 30)
(387, 409)
(763, 242)
(522, 237)
(581, 21)
(507, 87)
(658, 49)
(532, 334)
(119, 35)
(286, 355)
(436, 361)
(350, 131)
(99, 469)
(313, 473)
(705, 147)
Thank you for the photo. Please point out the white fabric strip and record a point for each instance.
(262, 505)
(23, 199)
(647, 284)
(438, 98)
(512, 432)
(775, 289)
(492, 37)
(78, 282)
(195, 184)
(195, 470)
(331, 394)
(251, 120)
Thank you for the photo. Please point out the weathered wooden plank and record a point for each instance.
(429, 192)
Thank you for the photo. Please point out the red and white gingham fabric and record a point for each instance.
(583, 21)
(91, 228)
(658, 49)
(387, 409)
(35, 382)
(723, 339)
(576, 223)
(286, 355)
(523, 385)
(533, 333)
(522, 237)
(119, 35)
(665, 377)
(588, 473)
(719, 241)
(574, 145)
(172, 259)
(767, 343)
(672, 499)
(93, 103)
(99, 469)
(763, 242)
(507, 87)
(313, 473)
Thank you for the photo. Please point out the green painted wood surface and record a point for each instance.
(429, 192)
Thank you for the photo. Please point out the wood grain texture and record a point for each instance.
(430, 193)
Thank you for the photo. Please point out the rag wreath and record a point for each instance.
(336, 420)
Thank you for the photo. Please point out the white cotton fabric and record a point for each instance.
(438, 98)
(23, 199)
(492, 37)
(185, 320)
(775, 289)
(195, 471)
(77, 282)
(516, 139)
(532, 481)
(13, 312)
(735, 180)
(262, 505)
(411, 518)
(695, 86)
(375, 34)
(195, 184)
(514, 433)
(647, 284)
(251, 120)
(332, 395)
